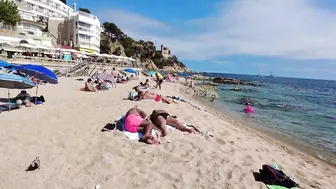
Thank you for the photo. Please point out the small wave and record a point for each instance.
(329, 117)
(297, 123)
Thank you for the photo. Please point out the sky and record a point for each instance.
(291, 38)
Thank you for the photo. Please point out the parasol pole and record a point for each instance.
(36, 93)
(9, 102)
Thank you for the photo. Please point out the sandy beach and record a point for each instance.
(65, 133)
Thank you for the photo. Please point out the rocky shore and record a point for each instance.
(231, 81)
(206, 91)
(221, 80)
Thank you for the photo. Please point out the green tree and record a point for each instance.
(112, 30)
(117, 51)
(8, 12)
(85, 10)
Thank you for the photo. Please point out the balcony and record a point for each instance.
(87, 15)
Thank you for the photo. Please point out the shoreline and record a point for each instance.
(261, 131)
(65, 133)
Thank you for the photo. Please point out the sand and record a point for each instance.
(66, 134)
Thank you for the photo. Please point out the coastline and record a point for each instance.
(65, 134)
(267, 134)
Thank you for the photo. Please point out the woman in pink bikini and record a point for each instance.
(135, 121)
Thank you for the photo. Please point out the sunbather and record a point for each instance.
(160, 118)
(23, 98)
(89, 86)
(135, 121)
(153, 96)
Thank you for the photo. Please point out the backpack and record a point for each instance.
(276, 177)
(132, 95)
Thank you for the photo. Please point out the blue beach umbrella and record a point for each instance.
(5, 64)
(130, 70)
(38, 72)
(11, 81)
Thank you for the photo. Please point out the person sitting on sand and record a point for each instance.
(135, 121)
(146, 84)
(23, 98)
(161, 118)
(89, 86)
(191, 85)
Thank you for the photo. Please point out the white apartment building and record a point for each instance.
(87, 31)
(46, 8)
(66, 25)
(35, 14)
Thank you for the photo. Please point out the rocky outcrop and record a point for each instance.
(114, 41)
(231, 81)
(202, 91)
(175, 69)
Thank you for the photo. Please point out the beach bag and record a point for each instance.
(132, 95)
(273, 176)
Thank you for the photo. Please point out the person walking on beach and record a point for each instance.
(114, 74)
(159, 81)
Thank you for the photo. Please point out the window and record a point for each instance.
(76, 38)
(76, 26)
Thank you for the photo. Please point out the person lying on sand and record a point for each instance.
(89, 86)
(135, 121)
(153, 96)
(160, 118)
(23, 98)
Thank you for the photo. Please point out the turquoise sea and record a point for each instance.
(301, 112)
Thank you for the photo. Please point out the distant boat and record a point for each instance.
(271, 74)
(259, 75)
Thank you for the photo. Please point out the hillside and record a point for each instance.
(114, 41)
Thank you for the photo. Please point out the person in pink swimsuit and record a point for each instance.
(135, 122)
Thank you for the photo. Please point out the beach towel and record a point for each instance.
(275, 178)
(5, 106)
(279, 187)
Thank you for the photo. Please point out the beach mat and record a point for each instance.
(5, 107)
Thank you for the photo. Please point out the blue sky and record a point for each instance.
(293, 38)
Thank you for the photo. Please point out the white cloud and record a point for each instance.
(285, 28)
(132, 22)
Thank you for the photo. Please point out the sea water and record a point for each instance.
(299, 111)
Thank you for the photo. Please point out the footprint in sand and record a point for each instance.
(220, 141)
(229, 175)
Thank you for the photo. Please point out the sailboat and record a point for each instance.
(259, 75)
(271, 74)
